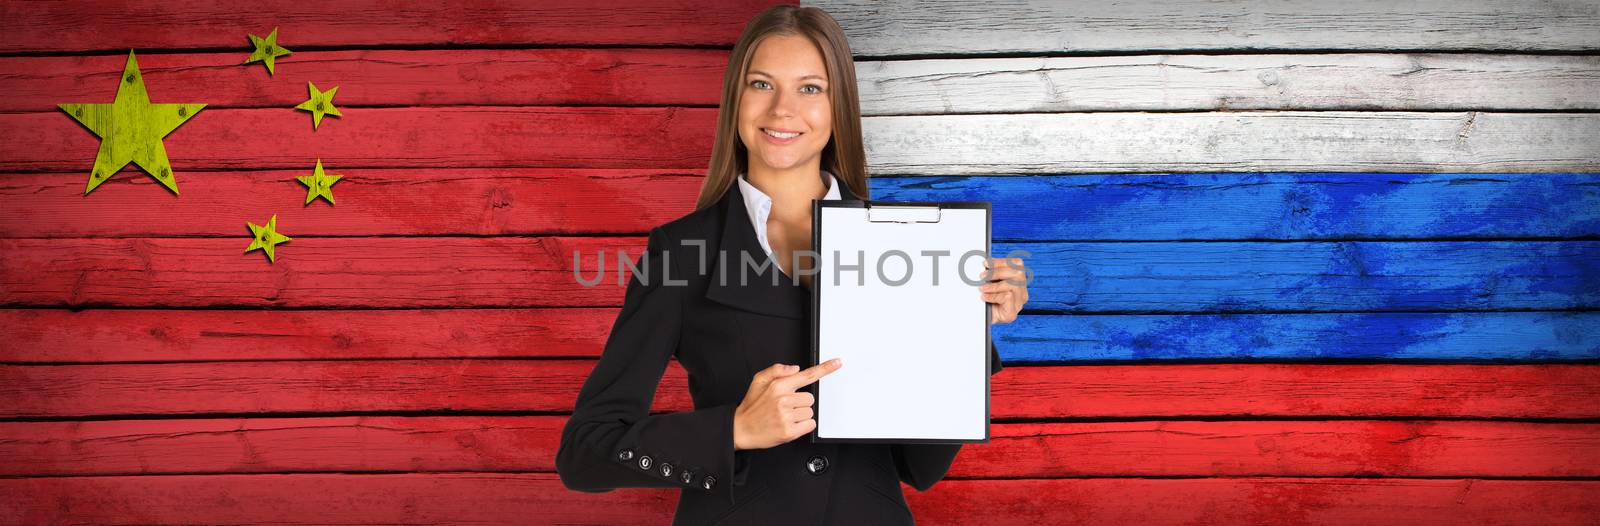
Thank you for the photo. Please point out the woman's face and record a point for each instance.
(785, 94)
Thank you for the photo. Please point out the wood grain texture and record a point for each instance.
(311, 387)
(690, 77)
(40, 336)
(57, 26)
(1403, 82)
(513, 498)
(1303, 172)
(1361, 448)
(673, 137)
(1356, 448)
(371, 202)
(405, 272)
(1324, 141)
(543, 201)
(363, 272)
(966, 27)
(492, 498)
(454, 136)
(1282, 206)
(1225, 501)
(384, 77)
(184, 335)
(1082, 391)
(1387, 336)
(1312, 276)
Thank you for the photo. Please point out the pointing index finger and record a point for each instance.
(806, 377)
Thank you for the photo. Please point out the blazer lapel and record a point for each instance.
(738, 284)
(767, 291)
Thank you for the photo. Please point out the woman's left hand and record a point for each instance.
(1006, 290)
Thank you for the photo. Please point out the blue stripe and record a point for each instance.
(1320, 276)
(1474, 336)
(1285, 206)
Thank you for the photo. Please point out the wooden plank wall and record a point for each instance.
(1297, 263)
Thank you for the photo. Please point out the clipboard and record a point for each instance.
(911, 327)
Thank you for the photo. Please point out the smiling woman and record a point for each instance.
(788, 133)
(791, 72)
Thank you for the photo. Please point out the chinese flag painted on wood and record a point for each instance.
(411, 353)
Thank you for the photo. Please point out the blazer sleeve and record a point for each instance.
(922, 465)
(612, 441)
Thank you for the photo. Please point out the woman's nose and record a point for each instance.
(783, 105)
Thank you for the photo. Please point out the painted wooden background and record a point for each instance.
(1297, 262)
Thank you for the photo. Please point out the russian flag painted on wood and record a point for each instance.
(1295, 264)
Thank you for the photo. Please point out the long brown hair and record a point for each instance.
(844, 156)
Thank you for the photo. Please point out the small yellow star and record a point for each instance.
(319, 184)
(267, 50)
(321, 102)
(131, 128)
(266, 237)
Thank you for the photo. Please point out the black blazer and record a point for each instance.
(722, 332)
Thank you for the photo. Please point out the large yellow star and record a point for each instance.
(131, 128)
(265, 237)
(321, 102)
(319, 184)
(267, 50)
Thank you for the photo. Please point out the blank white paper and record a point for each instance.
(916, 356)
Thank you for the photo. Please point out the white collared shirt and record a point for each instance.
(759, 207)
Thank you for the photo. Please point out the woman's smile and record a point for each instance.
(780, 136)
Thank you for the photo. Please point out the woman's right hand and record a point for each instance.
(772, 413)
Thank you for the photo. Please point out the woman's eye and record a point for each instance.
(758, 84)
(811, 88)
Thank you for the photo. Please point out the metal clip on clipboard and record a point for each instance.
(903, 213)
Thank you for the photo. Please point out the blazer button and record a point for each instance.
(644, 461)
(666, 469)
(685, 476)
(625, 455)
(708, 482)
(817, 464)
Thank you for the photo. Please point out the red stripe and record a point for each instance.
(312, 271)
(509, 77)
(77, 26)
(520, 498)
(477, 201)
(119, 335)
(1117, 391)
(1346, 448)
(454, 137)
